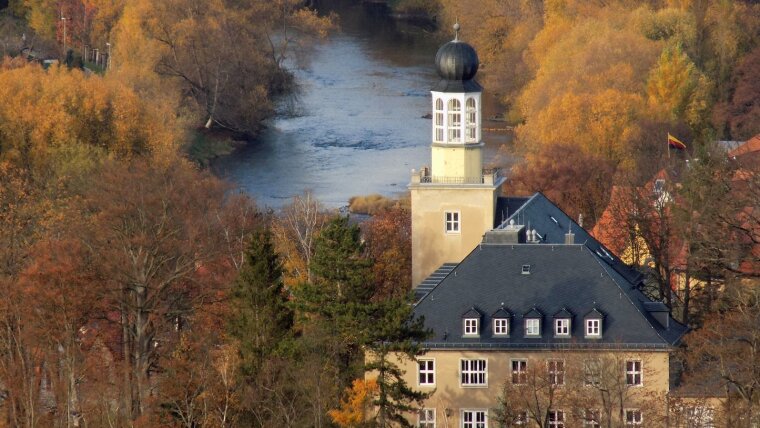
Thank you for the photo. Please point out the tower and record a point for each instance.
(454, 201)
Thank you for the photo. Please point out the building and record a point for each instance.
(523, 303)
(454, 201)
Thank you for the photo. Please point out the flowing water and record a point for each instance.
(356, 125)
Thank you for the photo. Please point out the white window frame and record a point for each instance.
(592, 372)
(562, 327)
(472, 371)
(529, 328)
(439, 124)
(426, 418)
(633, 422)
(593, 327)
(471, 326)
(452, 222)
(428, 372)
(473, 422)
(501, 326)
(634, 372)
(471, 120)
(454, 108)
(700, 416)
(588, 422)
(522, 418)
(559, 419)
(556, 370)
(519, 369)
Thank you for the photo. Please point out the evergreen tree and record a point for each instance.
(261, 320)
(395, 336)
(339, 264)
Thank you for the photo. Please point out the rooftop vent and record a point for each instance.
(526, 269)
(509, 234)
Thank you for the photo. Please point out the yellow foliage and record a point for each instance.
(353, 407)
(44, 111)
(670, 84)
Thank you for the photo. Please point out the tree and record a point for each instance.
(157, 245)
(722, 355)
(356, 404)
(261, 319)
(742, 113)
(388, 243)
(395, 336)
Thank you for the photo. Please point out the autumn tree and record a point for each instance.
(720, 356)
(356, 404)
(388, 243)
(742, 113)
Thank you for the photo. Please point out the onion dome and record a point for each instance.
(457, 63)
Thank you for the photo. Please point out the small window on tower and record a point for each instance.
(438, 125)
(455, 121)
(471, 117)
(452, 221)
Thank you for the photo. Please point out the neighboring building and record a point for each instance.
(517, 294)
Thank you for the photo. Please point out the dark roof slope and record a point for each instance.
(562, 276)
(551, 223)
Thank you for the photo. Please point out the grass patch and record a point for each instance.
(203, 148)
(375, 203)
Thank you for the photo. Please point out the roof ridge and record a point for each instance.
(625, 292)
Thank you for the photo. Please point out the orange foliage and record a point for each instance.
(353, 407)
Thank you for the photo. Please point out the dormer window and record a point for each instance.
(533, 327)
(500, 320)
(471, 326)
(533, 323)
(471, 323)
(562, 327)
(562, 323)
(593, 328)
(593, 324)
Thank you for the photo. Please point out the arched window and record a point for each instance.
(455, 121)
(471, 117)
(438, 120)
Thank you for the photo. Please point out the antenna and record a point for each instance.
(457, 27)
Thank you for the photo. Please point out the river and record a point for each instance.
(356, 125)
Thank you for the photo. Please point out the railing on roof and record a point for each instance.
(602, 346)
(487, 176)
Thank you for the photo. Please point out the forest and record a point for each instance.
(141, 290)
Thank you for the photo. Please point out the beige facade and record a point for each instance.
(434, 245)
(457, 162)
(450, 398)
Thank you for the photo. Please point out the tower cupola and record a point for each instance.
(457, 63)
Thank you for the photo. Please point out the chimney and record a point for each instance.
(509, 234)
(570, 236)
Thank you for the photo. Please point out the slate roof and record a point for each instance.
(551, 223)
(572, 277)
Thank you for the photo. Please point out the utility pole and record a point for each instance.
(108, 60)
(64, 34)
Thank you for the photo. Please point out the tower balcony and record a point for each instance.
(488, 176)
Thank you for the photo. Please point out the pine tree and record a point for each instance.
(395, 335)
(262, 320)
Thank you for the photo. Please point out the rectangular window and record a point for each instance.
(592, 418)
(426, 418)
(556, 419)
(452, 221)
(633, 418)
(426, 372)
(501, 326)
(519, 372)
(532, 327)
(592, 370)
(474, 419)
(562, 327)
(556, 372)
(633, 373)
(473, 372)
(593, 328)
(470, 326)
(521, 419)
